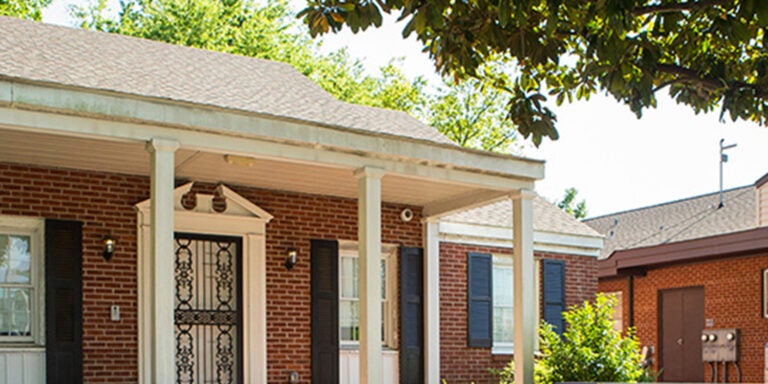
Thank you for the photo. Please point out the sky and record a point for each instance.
(616, 161)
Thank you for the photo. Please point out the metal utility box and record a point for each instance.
(718, 345)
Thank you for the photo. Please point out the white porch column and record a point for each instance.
(524, 286)
(431, 302)
(161, 240)
(369, 273)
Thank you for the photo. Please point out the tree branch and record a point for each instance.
(690, 5)
(711, 83)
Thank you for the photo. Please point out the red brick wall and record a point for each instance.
(104, 203)
(732, 299)
(618, 284)
(460, 364)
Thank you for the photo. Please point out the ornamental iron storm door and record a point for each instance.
(207, 316)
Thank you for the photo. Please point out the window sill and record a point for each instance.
(16, 348)
(355, 347)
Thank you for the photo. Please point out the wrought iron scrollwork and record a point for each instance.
(207, 312)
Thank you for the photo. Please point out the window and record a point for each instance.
(503, 304)
(20, 280)
(349, 317)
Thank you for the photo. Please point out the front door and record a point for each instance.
(681, 321)
(208, 316)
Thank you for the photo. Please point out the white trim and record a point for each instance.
(160, 315)
(506, 259)
(243, 219)
(147, 116)
(369, 273)
(524, 287)
(349, 248)
(35, 229)
(484, 235)
(462, 203)
(431, 302)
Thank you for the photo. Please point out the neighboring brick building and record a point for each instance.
(169, 214)
(689, 266)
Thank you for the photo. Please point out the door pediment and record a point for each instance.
(233, 214)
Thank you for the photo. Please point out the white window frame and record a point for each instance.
(390, 301)
(34, 229)
(502, 260)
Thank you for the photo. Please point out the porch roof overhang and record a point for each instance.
(55, 125)
(638, 260)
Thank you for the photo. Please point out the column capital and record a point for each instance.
(367, 171)
(522, 194)
(157, 144)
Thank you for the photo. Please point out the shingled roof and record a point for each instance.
(546, 218)
(36, 52)
(688, 219)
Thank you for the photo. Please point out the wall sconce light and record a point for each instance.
(290, 259)
(109, 246)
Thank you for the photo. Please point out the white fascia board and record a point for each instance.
(543, 241)
(240, 124)
(216, 142)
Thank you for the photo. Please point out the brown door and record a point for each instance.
(681, 320)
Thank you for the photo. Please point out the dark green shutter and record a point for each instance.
(63, 302)
(325, 311)
(553, 272)
(411, 316)
(480, 300)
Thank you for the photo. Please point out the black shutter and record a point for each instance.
(63, 302)
(554, 292)
(480, 299)
(325, 311)
(411, 316)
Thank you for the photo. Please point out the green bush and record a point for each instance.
(590, 350)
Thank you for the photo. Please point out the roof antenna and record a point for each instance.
(723, 159)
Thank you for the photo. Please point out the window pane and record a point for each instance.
(503, 325)
(349, 277)
(503, 304)
(15, 316)
(349, 321)
(383, 279)
(503, 294)
(14, 259)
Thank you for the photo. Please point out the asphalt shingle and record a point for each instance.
(546, 218)
(687, 219)
(37, 52)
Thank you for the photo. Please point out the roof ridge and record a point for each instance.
(672, 202)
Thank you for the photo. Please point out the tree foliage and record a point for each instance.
(707, 54)
(465, 113)
(472, 115)
(257, 30)
(570, 206)
(23, 9)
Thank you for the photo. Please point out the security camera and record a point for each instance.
(406, 215)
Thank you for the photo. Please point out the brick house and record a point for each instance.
(169, 214)
(689, 267)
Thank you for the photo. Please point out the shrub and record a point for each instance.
(589, 349)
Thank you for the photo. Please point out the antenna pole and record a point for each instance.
(723, 159)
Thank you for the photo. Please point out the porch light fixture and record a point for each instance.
(243, 161)
(290, 259)
(109, 246)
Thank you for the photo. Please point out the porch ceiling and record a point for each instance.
(51, 150)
